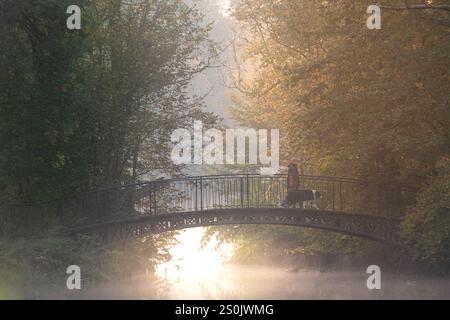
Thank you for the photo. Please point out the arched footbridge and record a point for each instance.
(347, 206)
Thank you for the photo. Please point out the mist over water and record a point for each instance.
(203, 271)
(199, 270)
(257, 282)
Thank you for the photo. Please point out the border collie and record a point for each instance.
(305, 198)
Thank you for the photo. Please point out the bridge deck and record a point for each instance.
(346, 205)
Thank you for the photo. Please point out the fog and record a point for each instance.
(256, 282)
(277, 282)
(204, 271)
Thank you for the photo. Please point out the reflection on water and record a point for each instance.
(193, 266)
(203, 272)
(197, 272)
(246, 282)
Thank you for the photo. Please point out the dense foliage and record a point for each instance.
(28, 266)
(81, 109)
(370, 104)
(87, 109)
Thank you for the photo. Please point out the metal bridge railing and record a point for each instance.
(191, 194)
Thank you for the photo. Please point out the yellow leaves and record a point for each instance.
(295, 251)
(410, 163)
(419, 85)
(417, 45)
(59, 161)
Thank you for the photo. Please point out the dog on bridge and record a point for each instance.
(302, 198)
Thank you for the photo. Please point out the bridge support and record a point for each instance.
(369, 227)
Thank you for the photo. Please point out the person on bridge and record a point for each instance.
(293, 179)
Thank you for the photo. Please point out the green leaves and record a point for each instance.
(426, 228)
(85, 109)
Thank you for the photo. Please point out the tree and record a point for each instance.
(349, 98)
(426, 228)
(369, 104)
(90, 108)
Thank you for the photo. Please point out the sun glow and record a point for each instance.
(193, 266)
(225, 7)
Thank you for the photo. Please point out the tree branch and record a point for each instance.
(424, 6)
